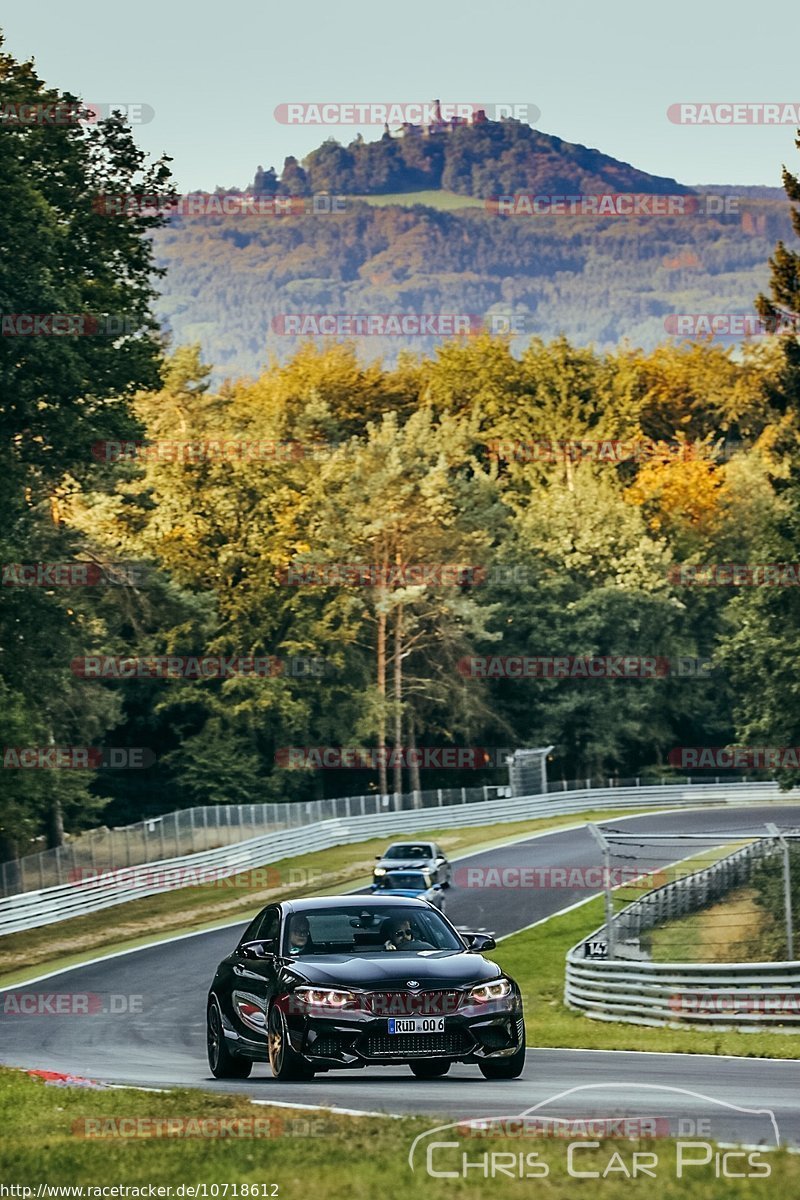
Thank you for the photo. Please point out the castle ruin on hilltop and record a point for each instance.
(438, 125)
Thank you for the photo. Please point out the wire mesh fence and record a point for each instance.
(742, 923)
(190, 830)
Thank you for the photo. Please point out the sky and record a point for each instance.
(602, 75)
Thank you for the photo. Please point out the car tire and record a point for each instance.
(284, 1063)
(505, 1068)
(430, 1068)
(222, 1063)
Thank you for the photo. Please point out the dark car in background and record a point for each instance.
(353, 981)
(414, 856)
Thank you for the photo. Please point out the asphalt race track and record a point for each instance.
(163, 1043)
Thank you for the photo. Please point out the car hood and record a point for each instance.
(443, 968)
(405, 864)
(413, 892)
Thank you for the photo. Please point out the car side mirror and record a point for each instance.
(260, 949)
(437, 887)
(477, 943)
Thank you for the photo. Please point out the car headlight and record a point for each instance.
(326, 997)
(379, 871)
(485, 992)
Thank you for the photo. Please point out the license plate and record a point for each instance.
(416, 1024)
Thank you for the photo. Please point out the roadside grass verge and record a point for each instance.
(735, 929)
(536, 958)
(310, 1153)
(195, 908)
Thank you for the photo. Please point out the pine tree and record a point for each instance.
(782, 311)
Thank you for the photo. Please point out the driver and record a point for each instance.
(398, 933)
(400, 936)
(299, 935)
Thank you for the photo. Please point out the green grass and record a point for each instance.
(433, 198)
(188, 909)
(320, 1154)
(536, 959)
(736, 929)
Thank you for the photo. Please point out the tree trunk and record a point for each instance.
(398, 701)
(414, 764)
(383, 785)
(55, 823)
(55, 816)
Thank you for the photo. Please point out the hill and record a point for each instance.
(408, 225)
(480, 159)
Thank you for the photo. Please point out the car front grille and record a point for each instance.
(412, 1004)
(407, 1045)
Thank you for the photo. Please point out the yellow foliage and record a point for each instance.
(681, 496)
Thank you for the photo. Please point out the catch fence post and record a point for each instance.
(774, 832)
(602, 842)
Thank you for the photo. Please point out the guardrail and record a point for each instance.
(723, 995)
(190, 830)
(83, 895)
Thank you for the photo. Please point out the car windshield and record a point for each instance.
(410, 880)
(409, 850)
(367, 930)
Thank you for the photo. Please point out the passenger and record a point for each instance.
(299, 935)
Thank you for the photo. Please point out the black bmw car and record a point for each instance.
(354, 981)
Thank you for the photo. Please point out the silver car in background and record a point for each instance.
(414, 856)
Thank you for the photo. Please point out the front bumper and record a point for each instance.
(354, 1039)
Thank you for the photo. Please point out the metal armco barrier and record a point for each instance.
(723, 995)
(727, 995)
(28, 910)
